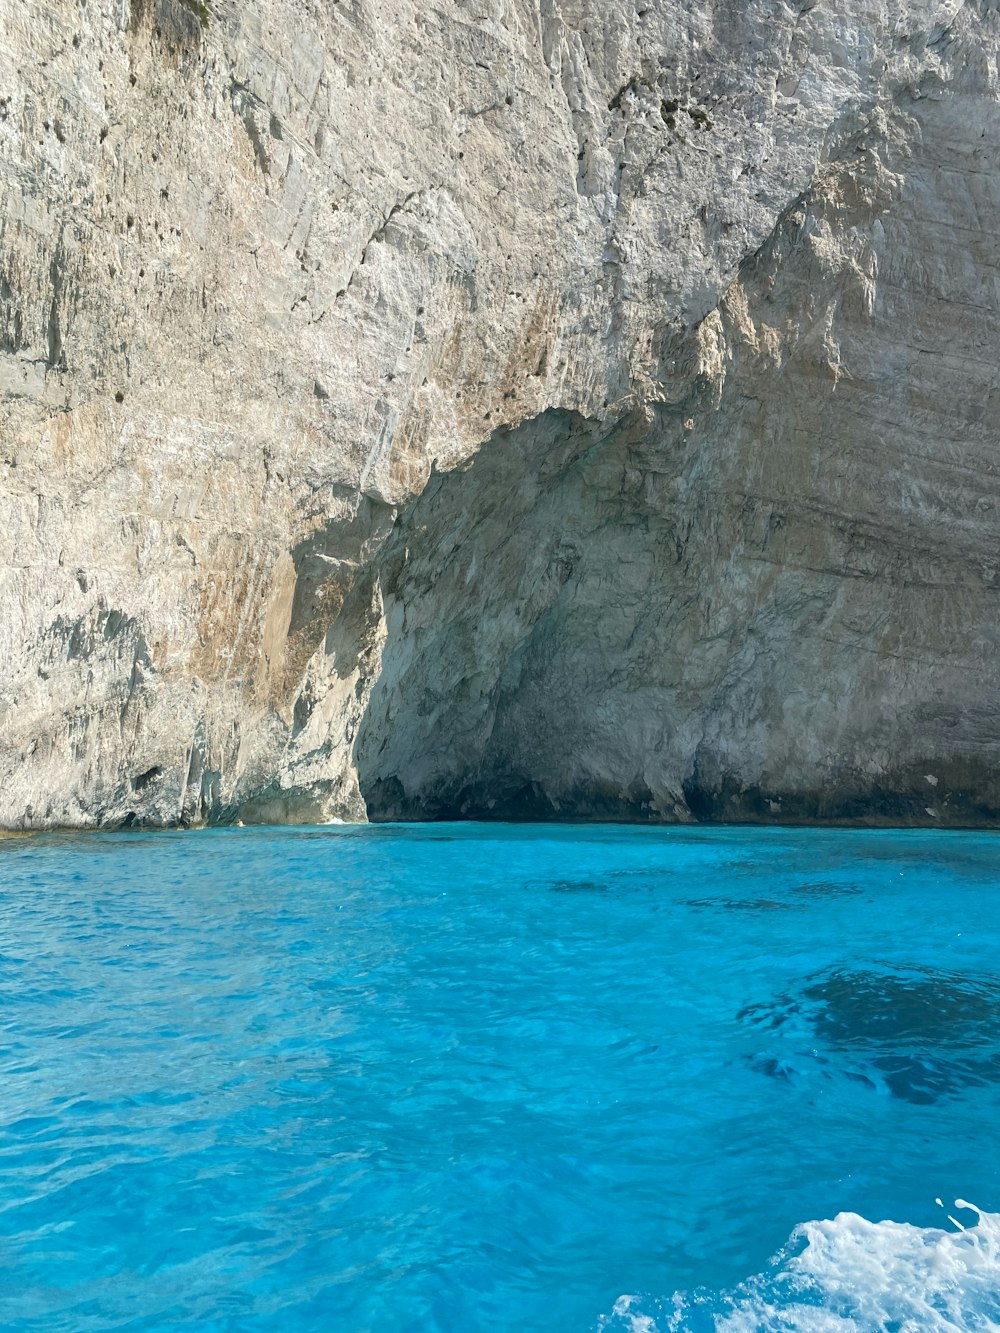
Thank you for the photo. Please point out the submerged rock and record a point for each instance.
(918, 1034)
(574, 411)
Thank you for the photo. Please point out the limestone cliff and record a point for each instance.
(545, 407)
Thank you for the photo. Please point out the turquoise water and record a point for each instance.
(462, 1077)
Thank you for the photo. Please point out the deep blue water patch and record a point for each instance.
(478, 1077)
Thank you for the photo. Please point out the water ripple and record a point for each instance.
(271, 1081)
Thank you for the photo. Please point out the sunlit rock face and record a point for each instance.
(499, 408)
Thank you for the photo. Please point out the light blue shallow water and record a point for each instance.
(495, 1077)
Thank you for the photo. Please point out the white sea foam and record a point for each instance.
(849, 1275)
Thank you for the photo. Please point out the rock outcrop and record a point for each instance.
(504, 407)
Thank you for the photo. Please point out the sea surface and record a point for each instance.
(499, 1077)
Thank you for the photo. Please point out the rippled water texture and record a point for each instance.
(471, 1077)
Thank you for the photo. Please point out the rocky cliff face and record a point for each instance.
(499, 407)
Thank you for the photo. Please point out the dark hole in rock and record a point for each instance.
(142, 780)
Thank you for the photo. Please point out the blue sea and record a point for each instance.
(491, 1077)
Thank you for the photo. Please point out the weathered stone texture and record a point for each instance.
(505, 406)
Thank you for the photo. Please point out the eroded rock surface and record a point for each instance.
(547, 407)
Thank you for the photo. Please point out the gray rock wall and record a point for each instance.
(503, 407)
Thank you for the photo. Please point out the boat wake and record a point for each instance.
(848, 1275)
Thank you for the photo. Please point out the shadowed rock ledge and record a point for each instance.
(547, 411)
